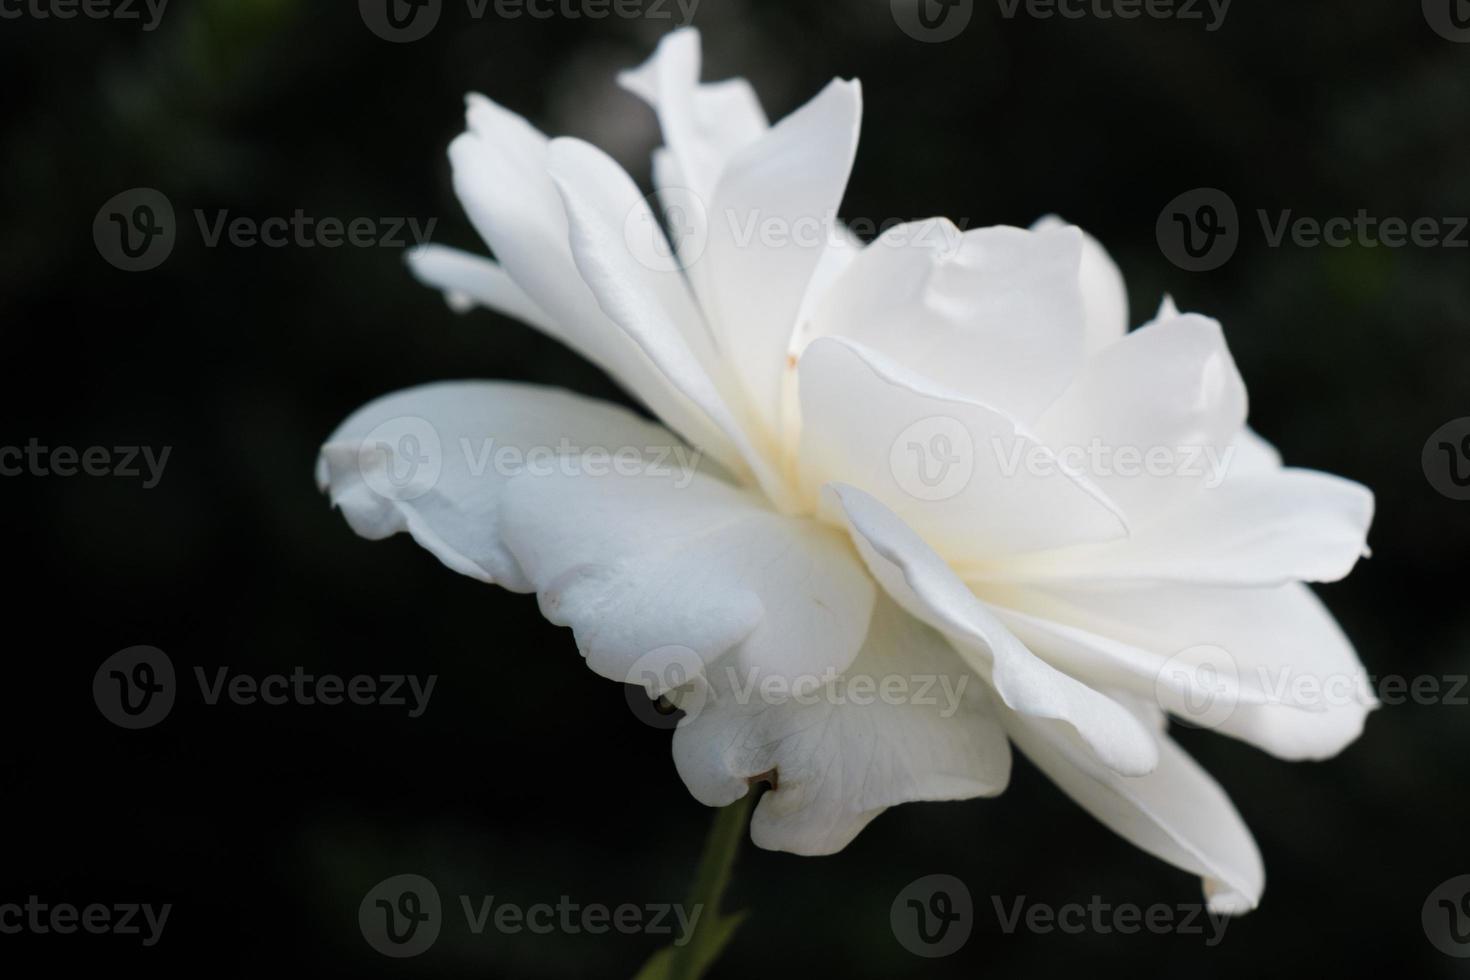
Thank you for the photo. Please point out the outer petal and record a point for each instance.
(772, 219)
(1177, 812)
(703, 125)
(868, 422)
(788, 186)
(595, 190)
(468, 281)
(994, 314)
(653, 308)
(652, 570)
(423, 461)
(1103, 292)
(1107, 662)
(500, 174)
(920, 581)
(1251, 455)
(1263, 530)
(1169, 387)
(1287, 680)
(840, 757)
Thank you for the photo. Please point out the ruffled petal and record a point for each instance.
(907, 721)
(995, 314)
(433, 461)
(1169, 390)
(650, 306)
(949, 466)
(501, 176)
(703, 125)
(652, 571)
(1104, 294)
(920, 582)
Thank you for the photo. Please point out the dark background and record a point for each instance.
(528, 777)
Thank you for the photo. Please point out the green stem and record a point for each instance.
(713, 928)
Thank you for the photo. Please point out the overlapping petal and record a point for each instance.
(995, 314)
(423, 461)
(651, 306)
(774, 216)
(658, 568)
(637, 548)
(501, 176)
(924, 585)
(1104, 295)
(869, 422)
(891, 488)
(1254, 530)
(906, 721)
(703, 125)
(757, 205)
(1282, 675)
(1169, 388)
(1176, 812)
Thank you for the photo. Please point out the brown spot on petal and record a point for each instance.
(770, 777)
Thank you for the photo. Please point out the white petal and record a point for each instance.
(649, 306)
(1177, 812)
(500, 174)
(1103, 290)
(636, 565)
(791, 182)
(469, 280)
(422, 461)
(920, 581)
(1108, 662)
(605, 189)
(995, 313)
(842, 756)
(1299, 691)
(703, 125)
(772, 219)
(1289, 526)
(1253, 455)
(1171, 388)
(942, 462)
